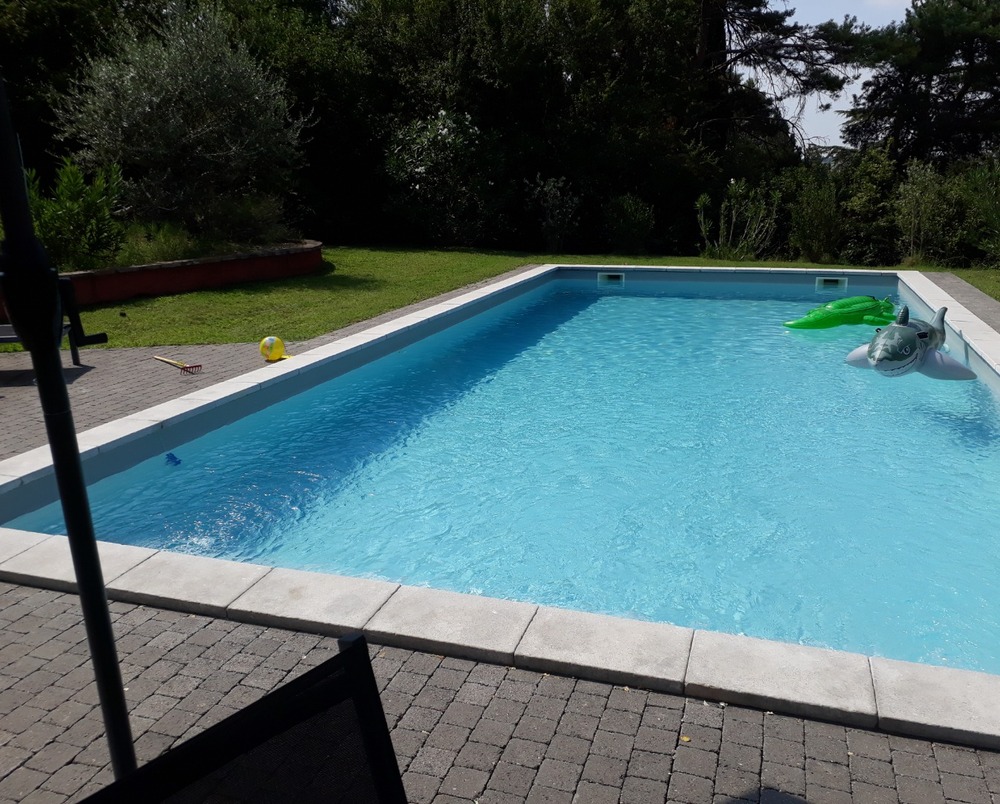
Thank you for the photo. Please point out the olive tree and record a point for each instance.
(202, 132)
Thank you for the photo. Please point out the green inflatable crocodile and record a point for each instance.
(852, 310)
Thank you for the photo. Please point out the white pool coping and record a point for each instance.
(901, 697)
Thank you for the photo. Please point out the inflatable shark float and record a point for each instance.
(909, 345)
(852, 310)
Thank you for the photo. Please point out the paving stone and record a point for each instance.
(689, 789)
(606, 771)
(650, 766)
(965, 788)
(918, 791)
(642, 791)
(480, 756)
(513, 778)
(951, 759)
(524, 752)
(464, 783)
(593, 793)
(611, 744)
(783, 778)
(558, 774)
(745, 732)
(863, 793)
(696, 762)
(784, 752)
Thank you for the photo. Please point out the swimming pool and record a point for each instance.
(757, 517)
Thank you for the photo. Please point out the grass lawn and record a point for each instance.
(355, 284)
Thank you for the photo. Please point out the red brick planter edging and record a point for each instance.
(182, 276)
(111, 285)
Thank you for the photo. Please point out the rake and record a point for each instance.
(184, 367)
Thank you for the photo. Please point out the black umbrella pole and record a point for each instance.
(86, 562)
(31, 296)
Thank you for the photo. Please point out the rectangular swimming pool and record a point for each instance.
(651, 444)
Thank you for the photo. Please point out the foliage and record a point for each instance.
(557, 206)
(979, 187)
(432, 160)
(746, 222)
(927, 213)
(871, 231)
(935, 88)
(79, 223)
(194, 121)
(43, 44)
(630, 222)
(814, 229)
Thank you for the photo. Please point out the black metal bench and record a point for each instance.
(72, 325)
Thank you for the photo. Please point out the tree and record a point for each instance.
(935, 91)
(43, 45)
(787, 61)
(202, 132)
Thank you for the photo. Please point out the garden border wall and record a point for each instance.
(110, 285)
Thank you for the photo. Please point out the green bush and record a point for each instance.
(196, 124)
(930, 216)
(979, 187)
(871, 231)
(433, 164)
(746, 222)
(78, 224)
(558, 207)
(629, 221)
(814, 214)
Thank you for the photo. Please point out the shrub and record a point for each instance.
(558, 207)
(629, 221)
(929, 216)
(432, 162)
(814, 214)
(979, 187)
(195, 123)
(871, 231)
(746, 222)
(78, 224)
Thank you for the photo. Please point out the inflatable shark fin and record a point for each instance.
(859, 358)
(940, 366)
(938, 322)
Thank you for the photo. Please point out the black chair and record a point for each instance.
(322, 737)
(72, 328)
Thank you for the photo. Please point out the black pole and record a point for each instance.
(31, 295)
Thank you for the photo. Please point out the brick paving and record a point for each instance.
(463, 731)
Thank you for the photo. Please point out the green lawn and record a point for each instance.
(355, 284)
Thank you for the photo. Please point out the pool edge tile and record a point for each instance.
(49, 563)
(13, 542)
(609, 649)
(937, 703)
(782, 677)
(185, 582)
(464, 626)
(329, 604)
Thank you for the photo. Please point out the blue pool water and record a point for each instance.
(686, 460)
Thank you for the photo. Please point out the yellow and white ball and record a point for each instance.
(272, 347)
